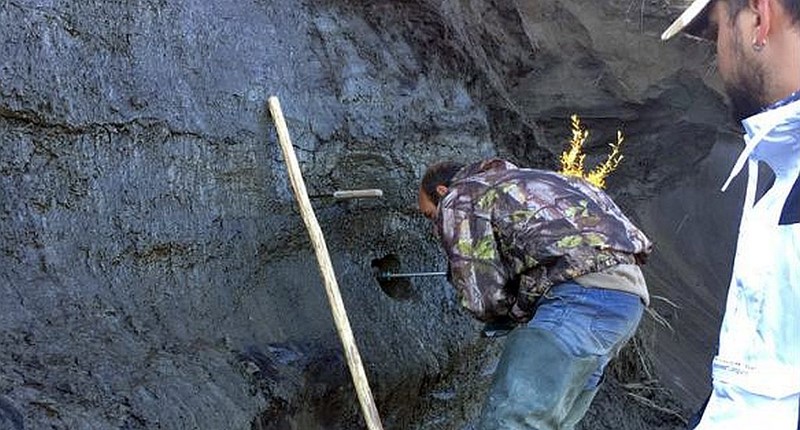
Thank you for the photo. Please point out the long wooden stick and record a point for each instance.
(323, 258)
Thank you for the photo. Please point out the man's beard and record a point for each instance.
(746, 89)
(744, 98)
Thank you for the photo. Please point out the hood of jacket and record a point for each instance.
(485, 166)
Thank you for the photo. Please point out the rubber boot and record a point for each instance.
(536, 384)
(579, 408)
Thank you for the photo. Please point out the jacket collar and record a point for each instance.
(793, 97)
(777, 128)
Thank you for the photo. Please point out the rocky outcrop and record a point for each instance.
(155, 272)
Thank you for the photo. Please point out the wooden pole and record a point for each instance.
(368, 408)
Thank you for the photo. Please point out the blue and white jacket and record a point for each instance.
(759, 344)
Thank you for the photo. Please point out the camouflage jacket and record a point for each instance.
(510, 234)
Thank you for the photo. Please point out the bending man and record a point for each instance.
(553, 254)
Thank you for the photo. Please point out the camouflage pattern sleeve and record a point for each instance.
(476, 269)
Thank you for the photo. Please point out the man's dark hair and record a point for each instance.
(792, 8)
(439, 174)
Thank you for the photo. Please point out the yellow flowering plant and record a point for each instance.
(572, 159)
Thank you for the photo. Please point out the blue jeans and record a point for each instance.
(589, 321)
(551, 368)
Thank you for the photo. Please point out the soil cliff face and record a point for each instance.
(155, 273)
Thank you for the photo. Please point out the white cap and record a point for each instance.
(690, 14)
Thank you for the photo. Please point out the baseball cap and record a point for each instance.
(688, 19)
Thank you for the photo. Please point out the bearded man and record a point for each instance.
(756, 373)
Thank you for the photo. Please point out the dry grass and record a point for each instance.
(652, 405)
(657, 317)
(636, 374)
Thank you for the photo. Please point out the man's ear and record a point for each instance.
(763, 10)
(441, 190)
